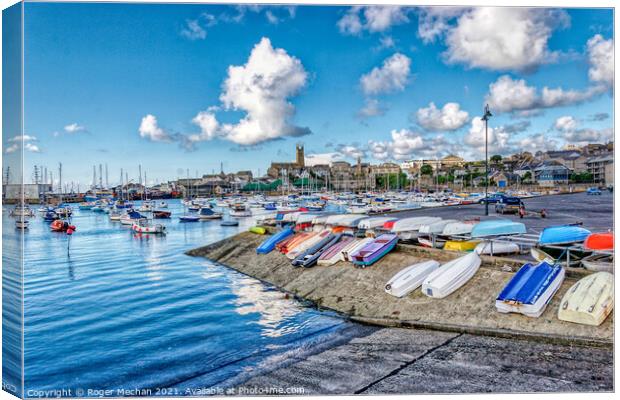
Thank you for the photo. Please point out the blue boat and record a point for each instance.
(497, 227)
(189, 218)
(530, 289)
(563, 234)
(270, 243)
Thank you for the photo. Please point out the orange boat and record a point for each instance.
(297, 239)
(600, 241)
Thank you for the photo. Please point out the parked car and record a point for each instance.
(508, 205)
(594, 191)
(492, 199)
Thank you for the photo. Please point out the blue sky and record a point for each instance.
(176, 87)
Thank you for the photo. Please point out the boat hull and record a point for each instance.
(589, 301)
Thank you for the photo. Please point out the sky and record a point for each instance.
(177, 87)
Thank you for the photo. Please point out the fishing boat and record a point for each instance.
(598, 262)
(207, 213)
(461, 245)
(189, 218)
(529, 290)
(599, 241)
(311, 255)
(306, 244)
(354, 247)
(589, 301)
(229, 223)
(497, 247)
(144, 226)
(160, 214)
(564, 234)
(333, 254)
(270, 243)
(374, 250)
(410, 278)
(497, 227)
(458, 228)
(450, 276)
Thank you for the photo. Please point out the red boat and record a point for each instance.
(389, 225)
(161, 214)
(599, 241)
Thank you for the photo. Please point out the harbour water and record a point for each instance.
(107, 309)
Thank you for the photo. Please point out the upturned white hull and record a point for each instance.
(451, 276)
(410, 278)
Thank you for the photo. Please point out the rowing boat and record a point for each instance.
(497, 227)
(599, 241)
(270, 243)
(374, 250)
(355, 246)
(496, 247)
(589, 301)
(564, 234)
(451, 276)
(410, 278)
(333, 254)
(461, 245)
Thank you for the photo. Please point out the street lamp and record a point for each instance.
(485, 118)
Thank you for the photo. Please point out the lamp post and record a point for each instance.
(485, 118)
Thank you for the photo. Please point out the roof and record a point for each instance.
(604, 158)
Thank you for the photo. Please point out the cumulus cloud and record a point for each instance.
(572, 133)
(322, 158)
(27, 141)
(448, 118)
(517, 127)
(402, 146)
(601, 59)
(392, 76)
(565, 123)
(498, 138)
(149, 129)
(433, 22)
(74, 128)
(536, 142)
(351, 151)
(372, 19)
(372, 108)
(509, 95)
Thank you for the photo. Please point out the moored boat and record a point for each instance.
(451, 276)
(160, 214)
(189, 218)
(207, 213)
(144, 226)
(229, 223)
(589, 301)
(410, 278)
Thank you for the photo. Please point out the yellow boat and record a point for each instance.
(258, 229)
(454, 245)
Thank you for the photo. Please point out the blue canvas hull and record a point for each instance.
(563, 235)
(529, 283)
(270, 243)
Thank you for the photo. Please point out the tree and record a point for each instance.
(527, 176)
(496, 159)
(426, 169)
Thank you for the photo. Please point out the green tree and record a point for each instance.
(527, 176)
(426, 169)
(496, 159)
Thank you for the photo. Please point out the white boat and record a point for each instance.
(346, 252)
(374, 222)
(451, 276)
(496, 247)
(358, 209)
(143, 226)
(21, 223)
(436, 227)
(457, 228)
(412, 224)
(410, 278)
(348, 220)
(162, 204)
(306, 218)
(599, 262)
(426, 242)
(22, 211)
(240, 210)
(306, 244)
(589, 301)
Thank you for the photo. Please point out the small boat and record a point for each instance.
(86, 205)
(259, 230)
(270, 243)
(374, 222)
(207, 213)
(497, 227)
(374, 250)
(143, 226)
(189, 218)
(21, 223)
(589, 301)
(311, 255)
(529, 290)
(346, 220)
(294, 241)
(240, 210)
(435, 228)
(599, 241)
(354, 247)
(389, 225)
(410, 278)
(333, 254)
(461, 245)
(22, 210)
(160, 214)
(306, 244)
(458, 228)
(564, 234)
(50, 216)
(130, 217)
(426, 242)
(497, 247)
(62, 226)
(598, 262)
(162, 204)
(412, 224)
(229, 223)
(451, 276)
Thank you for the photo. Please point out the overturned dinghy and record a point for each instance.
(410, 278)
(495, 248)
(374, 250)
(333, 254)
(589, 301)
(408, 228)
(451, 276)
(530, 289)
(270, 243)
(497, 227)
(599, 262)
(309, 257)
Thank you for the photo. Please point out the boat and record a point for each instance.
(189, 218)
(563, 234)
(599, 241)
(295, 241)
(162, 204)
(374, 222)
(389, 225)
(497, 247)
(497, 227)
(130, 217)
(229, 223)
(22, 210)
(270, 243)
(542, 255)
(412, 223)
(461, 245)
(589, 301)
(427, 242)
(598, 262)
(333, 254)
(160, 214)
(240, 210)
(306, 244)
(410, 278)
(115, 215)
(207, 213)
(62, 226)
(259, 230)
(86, 205)
(450, 276)
(50, 216)
(143, 226)
(529, 290)
(354, 247)
(374, 250)
(346, 220)
(435, 228)
(193, 207)
(458, 228)
(21, 223)
(311, 255)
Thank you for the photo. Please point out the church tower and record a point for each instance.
(300, 158)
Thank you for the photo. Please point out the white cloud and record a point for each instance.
(510, 95)
(390, 77)
(261, 88)
(433, 22)
(498, 138)
(584, 136)
(372, 108)
(601, 58)
(25, 138)
(500, 38)
(386, 42)
(403, 144)
(450, 117)
(32, 147)
(193, 30)
(322, 158)
(565, 123)
(536, 142)
(149, 129)
(26, 141)
(74, 128)
(379, 150)
(371, 19)
(351, 151)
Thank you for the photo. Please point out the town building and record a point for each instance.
(292, 168)
(602, 169)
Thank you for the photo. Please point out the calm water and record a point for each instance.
(108, 309)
